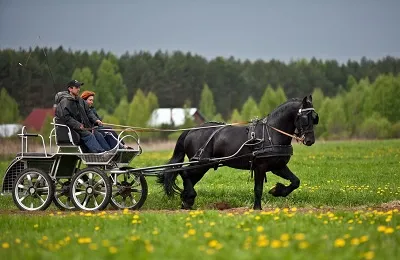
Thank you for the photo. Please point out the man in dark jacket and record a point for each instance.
(75, 113)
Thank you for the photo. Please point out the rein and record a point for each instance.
(298, 139)
(150, 129)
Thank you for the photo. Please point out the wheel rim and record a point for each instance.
(61, 194)
(127, 192)
(89, 190)
(32, 191)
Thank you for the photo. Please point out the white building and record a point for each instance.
(8, 130)
(174, 116)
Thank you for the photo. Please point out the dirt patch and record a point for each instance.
(221, 206)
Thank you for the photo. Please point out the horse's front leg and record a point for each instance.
(281, 190)
(259, 176)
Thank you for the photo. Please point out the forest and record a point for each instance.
(356, 99)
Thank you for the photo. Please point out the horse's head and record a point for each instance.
(305, 120)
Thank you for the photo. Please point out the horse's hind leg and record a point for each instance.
(190, 178)
(281, 190)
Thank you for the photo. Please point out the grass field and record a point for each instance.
(347, 207)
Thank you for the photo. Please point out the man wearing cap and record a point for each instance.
(75, 113)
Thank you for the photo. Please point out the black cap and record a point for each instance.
(74, 83)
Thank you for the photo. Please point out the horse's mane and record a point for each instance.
(282, 106)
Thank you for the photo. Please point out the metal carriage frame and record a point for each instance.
(36, 179)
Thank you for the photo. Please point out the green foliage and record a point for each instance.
(250, 110)
(207, 106)
(235, 117)
(46, 128)
(317, 98)
(138, 113)
(121, 111)
(267, 101)
(84, 75)
(111, 119)
(9, 108)
(376, 127)
(218, 118)
(336, 121)
(109, 86)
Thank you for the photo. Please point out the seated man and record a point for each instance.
(75, 113)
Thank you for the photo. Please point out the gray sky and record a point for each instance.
(253, 29)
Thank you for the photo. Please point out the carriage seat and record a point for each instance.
(65, 136)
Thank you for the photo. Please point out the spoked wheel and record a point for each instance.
(129, 190)
(90, 189)
(62, 198)
(33, 190)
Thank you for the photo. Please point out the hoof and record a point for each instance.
(257, 208)
(277, 191)
(186, 207)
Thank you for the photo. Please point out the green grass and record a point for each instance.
(337, 213)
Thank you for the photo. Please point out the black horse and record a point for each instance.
(261, 146)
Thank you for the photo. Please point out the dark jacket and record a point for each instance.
(74, 111)
(95, 113)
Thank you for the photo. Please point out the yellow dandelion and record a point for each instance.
(93, 246)
(36, 226)
(185, 235)
(17, 241)
(257, 217)
(389, 230)
(340, 242)
(303, 244)
(135, 216)
(67, 239)
(155, 232)
(398, 227)
(26, 245)
(286, 210)
(5, 245)
(212, 224)
(369, 255)
(97, 228)
(299, 236)
(276, 244)
(113, 250)
(294, 209)
(350, 221)
(188, 224)
(44, 238)
(149, 247)
(260, 229)
(363, 239)
(105, 243)
(262, 241)
(276, 218)
(84, 240)
(355, 241)
(200, 221)
(207, 234)
(381, 228)
(285, 237)
(192, 232)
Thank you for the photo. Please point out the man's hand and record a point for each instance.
(99, 123)
(81, 126)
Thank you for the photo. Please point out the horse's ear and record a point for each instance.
(305, 100)
(310, 98)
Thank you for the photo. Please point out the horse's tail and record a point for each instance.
(167, 178)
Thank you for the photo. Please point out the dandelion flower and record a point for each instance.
(389, 230)
(93, 246)
(112, 249)
(207, 234)
(192, 232)
(276, 244)
(17, 241)
(369, 255)
(285, 237)
(5, 245)
(303, 244)
(299, 236)
(260, 229)
(84, 240)
(340, 242)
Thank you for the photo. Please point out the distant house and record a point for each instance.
(8, 130)
(37, 118)
(174, 116)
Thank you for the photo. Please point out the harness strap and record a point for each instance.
(201, 150)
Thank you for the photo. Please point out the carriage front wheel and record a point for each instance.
(33, 190)
(90, 189)
(129, 190)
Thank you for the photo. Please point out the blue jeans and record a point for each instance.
(95, 142)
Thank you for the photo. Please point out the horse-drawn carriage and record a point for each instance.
(36, 179)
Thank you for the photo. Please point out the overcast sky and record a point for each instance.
(253, 29)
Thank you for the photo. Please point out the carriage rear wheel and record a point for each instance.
(62, 198)
(90, 189)
(33, 190)
(129, 190)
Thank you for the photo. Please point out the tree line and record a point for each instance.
(225, 89)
